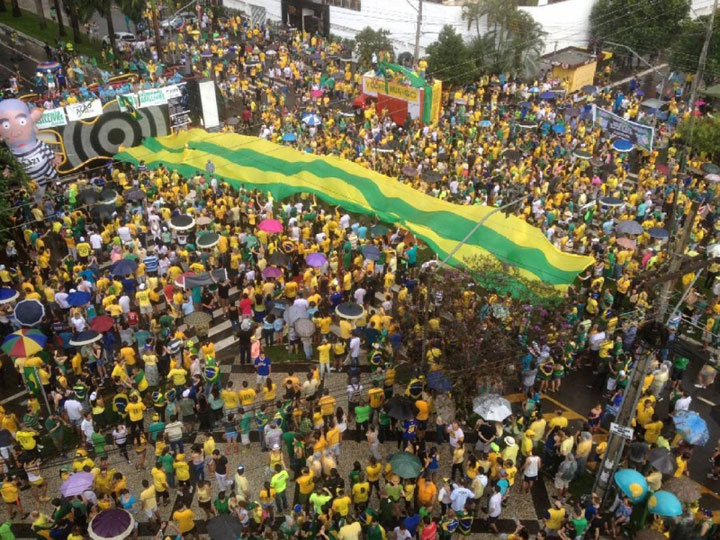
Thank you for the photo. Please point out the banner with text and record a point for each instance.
(52, 118)
(638, 134)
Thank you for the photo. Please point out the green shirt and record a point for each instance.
(680, 363)
(222, 506)
(167, 462)
(155, 429)
(246, 422)
(279, 481)
(318, 501)
(362, 414)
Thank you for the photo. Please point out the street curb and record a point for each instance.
(6, 31)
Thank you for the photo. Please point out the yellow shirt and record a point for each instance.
(135, 411)
(185, 520)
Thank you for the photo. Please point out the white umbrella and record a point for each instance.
(713, 251)
(492, 407)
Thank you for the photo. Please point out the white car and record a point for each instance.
(179, 20)
(121, 38)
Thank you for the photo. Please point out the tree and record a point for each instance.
(41, 14)
(16, 9)
(104, 9)
(61, 24)
(3, 7)
(525, 42)
(646, 26)
(370, 41)
(705, 135)
(686, 49)
(448, 57)
(472, 12)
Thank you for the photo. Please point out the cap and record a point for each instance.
(142, 286)
(82, 238)
(156, 417)
(276, 446)
(297, 508)
(241, 469)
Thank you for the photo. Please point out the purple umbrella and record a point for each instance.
(271, 272)
(113, 524)
(316, 260)
(76, 484)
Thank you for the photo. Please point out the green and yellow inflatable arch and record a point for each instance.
(284, 171)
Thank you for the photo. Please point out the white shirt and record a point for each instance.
(459, 497)
(96, 241)
(355, 346)
(683, 404)
(78, 323)
(73, 408)
(87, 428)
(124, 303)
(61, 300)
(360, 296)
(400, 534)
(495, 505)
(455, 436)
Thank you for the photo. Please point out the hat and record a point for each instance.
(82, 238)
(156, 417)
(241, 469)
(297, 508)
(509, 441)
(186, 393)
(276, 446)
(142, 286)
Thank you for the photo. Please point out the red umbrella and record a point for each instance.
(272, 226)
(103, 323)
(627, 243)
(316, 93)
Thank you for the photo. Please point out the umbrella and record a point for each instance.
(401, 408)
(316, 260)
(108, 196)
(24, 342)
(182, 222)
(664, 503)
(485, 123)
(712, 177)
(29, 312)
(581, 154)
(272, 226)
(436, 380)
(658, 233)
(112, 524)
(8, 295)
(663, 460)
(312, 120)
(378, 230)
(524, 124)
(123, 268)
(349, 310)
(559, 128)
(48, 67)
(590, 89)
(294, 313)
(134, 194)
(76, 484)
(316, 94)
(710, 168)
(103, 323)
(547, 95)
(405, 465)
(492, 407)
(534, 89)
(304, 327)
(86, 338)
(270, 52)
(371, 252)
(692, 427)
(432, 176)
(207, 240)
(278, 259)
(622, 145)
(629, 226)
(409, 170)
(271, 272)
(78, 298)
(203, 220)
(632, 484)
(610, 201)
(626, 243)
(224, 527)
(686, 490)
(512, 155)
(289, 137)
(662, 168)
(198, 318)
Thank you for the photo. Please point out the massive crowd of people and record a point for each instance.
(308, 454)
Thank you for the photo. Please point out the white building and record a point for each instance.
(567, 22)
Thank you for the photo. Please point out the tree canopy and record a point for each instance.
(448, 57)
(370, 41)
(705, 135)
(686, 49)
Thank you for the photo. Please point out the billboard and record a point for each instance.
(638, 134)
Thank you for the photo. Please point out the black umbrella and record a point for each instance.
(86, 338)
(432, 176)
(662, 460)
(278, 259)
(124, 267)
(108, 196)
(610, 201)
(29, 312)
(511, 155)
(207, 240)
(349, 310)
(224, 527)
(401, 408)
(88, 196)
(182, 222)
(134, 195)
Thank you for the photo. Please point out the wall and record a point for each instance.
(566, 23)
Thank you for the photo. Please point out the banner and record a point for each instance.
(31, 379)
(52, 118)
(84, 110)
(638, 134)
(151, 98)
(373, 85)
(172, 91)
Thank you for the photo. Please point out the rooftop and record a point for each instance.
(572, 56)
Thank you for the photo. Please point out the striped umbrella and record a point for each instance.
(24, 342)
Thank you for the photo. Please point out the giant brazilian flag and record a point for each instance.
(284, 171)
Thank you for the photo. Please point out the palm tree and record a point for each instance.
(526, 43)
(473, 11)
(61, 24)
(41, 13)
(3, 7)
(104, 9)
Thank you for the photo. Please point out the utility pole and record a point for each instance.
(418, 28)
(703, 56)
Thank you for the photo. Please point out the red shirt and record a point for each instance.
(132, 318)
(245, 306)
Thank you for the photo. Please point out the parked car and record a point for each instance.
(179, 20)
(121, 38)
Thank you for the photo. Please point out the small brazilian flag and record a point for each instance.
(31, 379)
(130, 106)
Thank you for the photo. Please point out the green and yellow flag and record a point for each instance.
(32, 381)
(284, 171)
(128, 104)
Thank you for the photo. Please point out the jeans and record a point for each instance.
(199, 472)
(177, 445)
(281, 501)
(261, 434)
(244, 354)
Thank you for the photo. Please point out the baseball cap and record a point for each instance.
(241, 468)
(276, 446)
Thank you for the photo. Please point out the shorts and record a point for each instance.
(422, 425)
(530, 478)
(260, 379)
(150, 512)
(231, 436)
(561, 484)
(677, 374)
(146, 310)
(205, 505)
(492, 519)
(245, 439)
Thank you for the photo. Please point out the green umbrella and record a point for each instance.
(378, 230)
(405, 465)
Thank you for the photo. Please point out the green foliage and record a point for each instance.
(370, 41)
(686, 49)
(705, 135)
(646, 26)
(448, 57)
(17, 177)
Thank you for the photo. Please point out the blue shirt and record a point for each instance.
(262, 365)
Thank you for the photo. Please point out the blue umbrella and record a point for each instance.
(632, 484)
(692, 427)
(29, 312)
(123, 267)
(289, 137)
(559, 128)
(622, 145)
(371, 252)
(658, 233)
(485, 123)
(78, 298)
(548, 95)
(312, 120)
(664, 503)
(436, 380)
(8, 295)
(534, 90)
